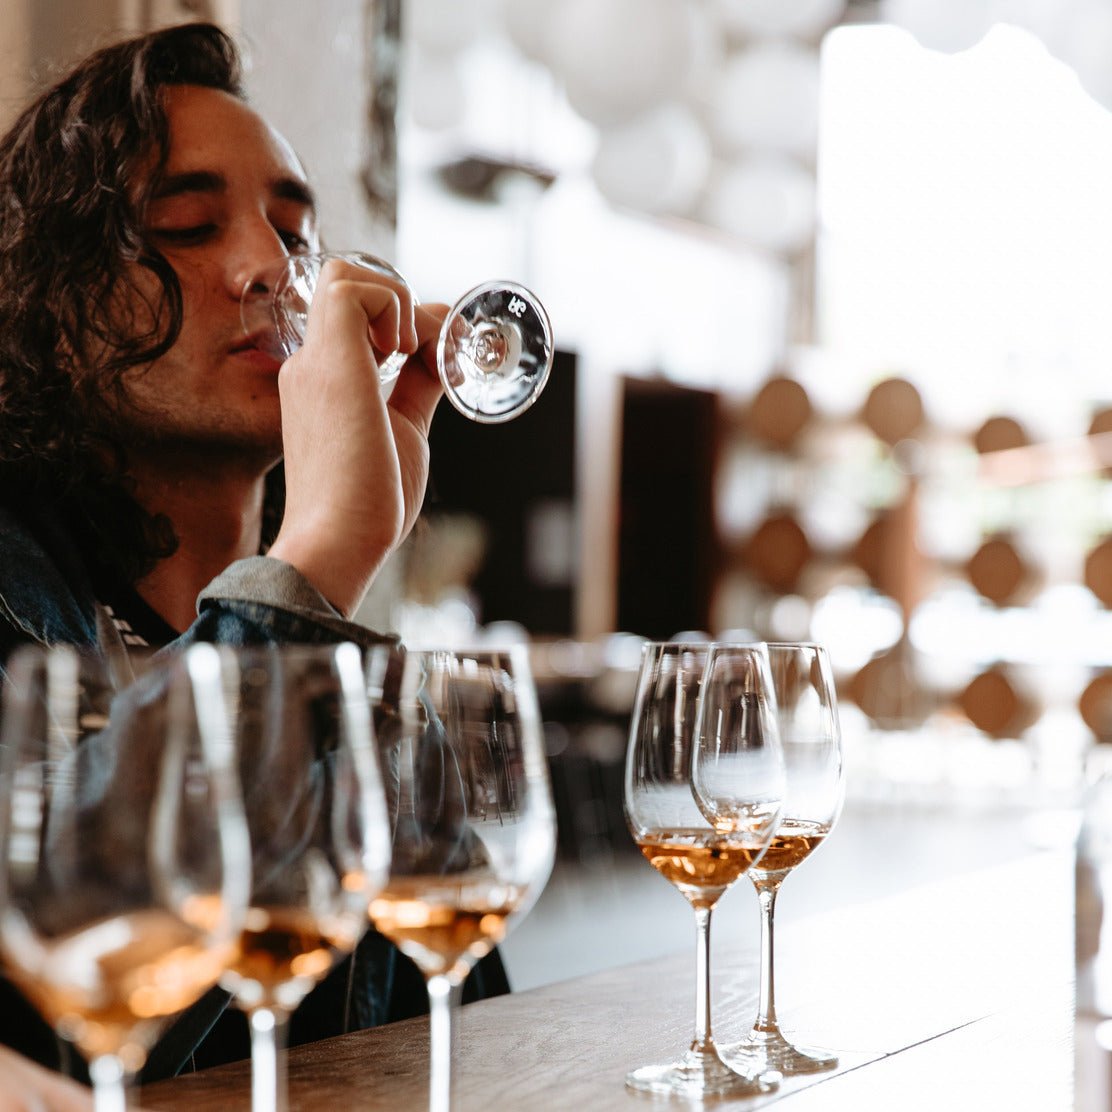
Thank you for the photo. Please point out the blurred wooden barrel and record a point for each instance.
(1101, 425)
(1098, 571)
(1101, 422)
(994, 704)
(778, 551)
(893, 410)
(867, 552)
(1095, 704)
(999, 433)
(779, 412)
(999, 571)
(889, 692)
(888, 552)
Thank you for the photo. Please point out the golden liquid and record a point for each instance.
(701, 863)
(280, 946)
(794, 840)
(106, 986)
(439, 923)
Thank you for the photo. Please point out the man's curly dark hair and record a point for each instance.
(76, 172)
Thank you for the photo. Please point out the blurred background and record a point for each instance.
(830, 282)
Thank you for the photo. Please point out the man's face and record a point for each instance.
(233, 198)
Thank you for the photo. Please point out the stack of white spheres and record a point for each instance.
(668, 87)
(709, 109)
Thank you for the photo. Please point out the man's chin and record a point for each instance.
(252, 451)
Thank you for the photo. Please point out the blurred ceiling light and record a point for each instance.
(1084, 42)
(621, 58)
(766, 200)
(527, 24)
(657, 163)
(1076, 32)
(767, 97)
(802, 18)
(948, 26)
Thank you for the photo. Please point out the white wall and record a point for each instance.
(309, 74)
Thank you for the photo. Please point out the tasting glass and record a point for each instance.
(124, 859)
(462, 754)
(494, 352)
(810, 737)
(316, 814)
(692, 698)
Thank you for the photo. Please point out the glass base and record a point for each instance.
(699, 1075)
(495, 352)
(760, 1052)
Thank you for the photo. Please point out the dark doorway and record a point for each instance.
(667, 552)
(519, 479)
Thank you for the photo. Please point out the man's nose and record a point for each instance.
(255, 247)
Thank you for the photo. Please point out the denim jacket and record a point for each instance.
(46, 596)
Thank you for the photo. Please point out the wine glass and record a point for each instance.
(320, 841)
(811, 740)
(700, 857)
(461, 748)
(124, 860)
(494, 352)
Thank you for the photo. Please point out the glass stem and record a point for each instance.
(442, 990)
(702, 1043)
(268, 1063)
(766, 1011)
(109, 1083)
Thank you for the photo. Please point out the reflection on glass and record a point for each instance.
(462, 754)
(700, 856)
(316, 814)
(124, 861)
(812, 747)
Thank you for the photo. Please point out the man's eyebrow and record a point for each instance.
(192, 181)
(208, 181)
(294, 189)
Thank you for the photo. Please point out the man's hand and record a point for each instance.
(27, 1087)
(356, 464)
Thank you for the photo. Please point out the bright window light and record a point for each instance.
(966, 226)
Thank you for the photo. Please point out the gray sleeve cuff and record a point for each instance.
(268, 581)
(278, 602)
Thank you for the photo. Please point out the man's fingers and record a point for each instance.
(343, 280)
(356, 311)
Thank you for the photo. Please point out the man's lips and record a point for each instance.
(247, 343)
(254, 348)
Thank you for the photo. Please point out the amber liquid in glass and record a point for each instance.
(701, 863)
(436, 922)
(106, 986)
(793, 842)
(282, 945)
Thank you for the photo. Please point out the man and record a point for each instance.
(162, 480)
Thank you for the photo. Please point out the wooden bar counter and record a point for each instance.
(954, 995)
